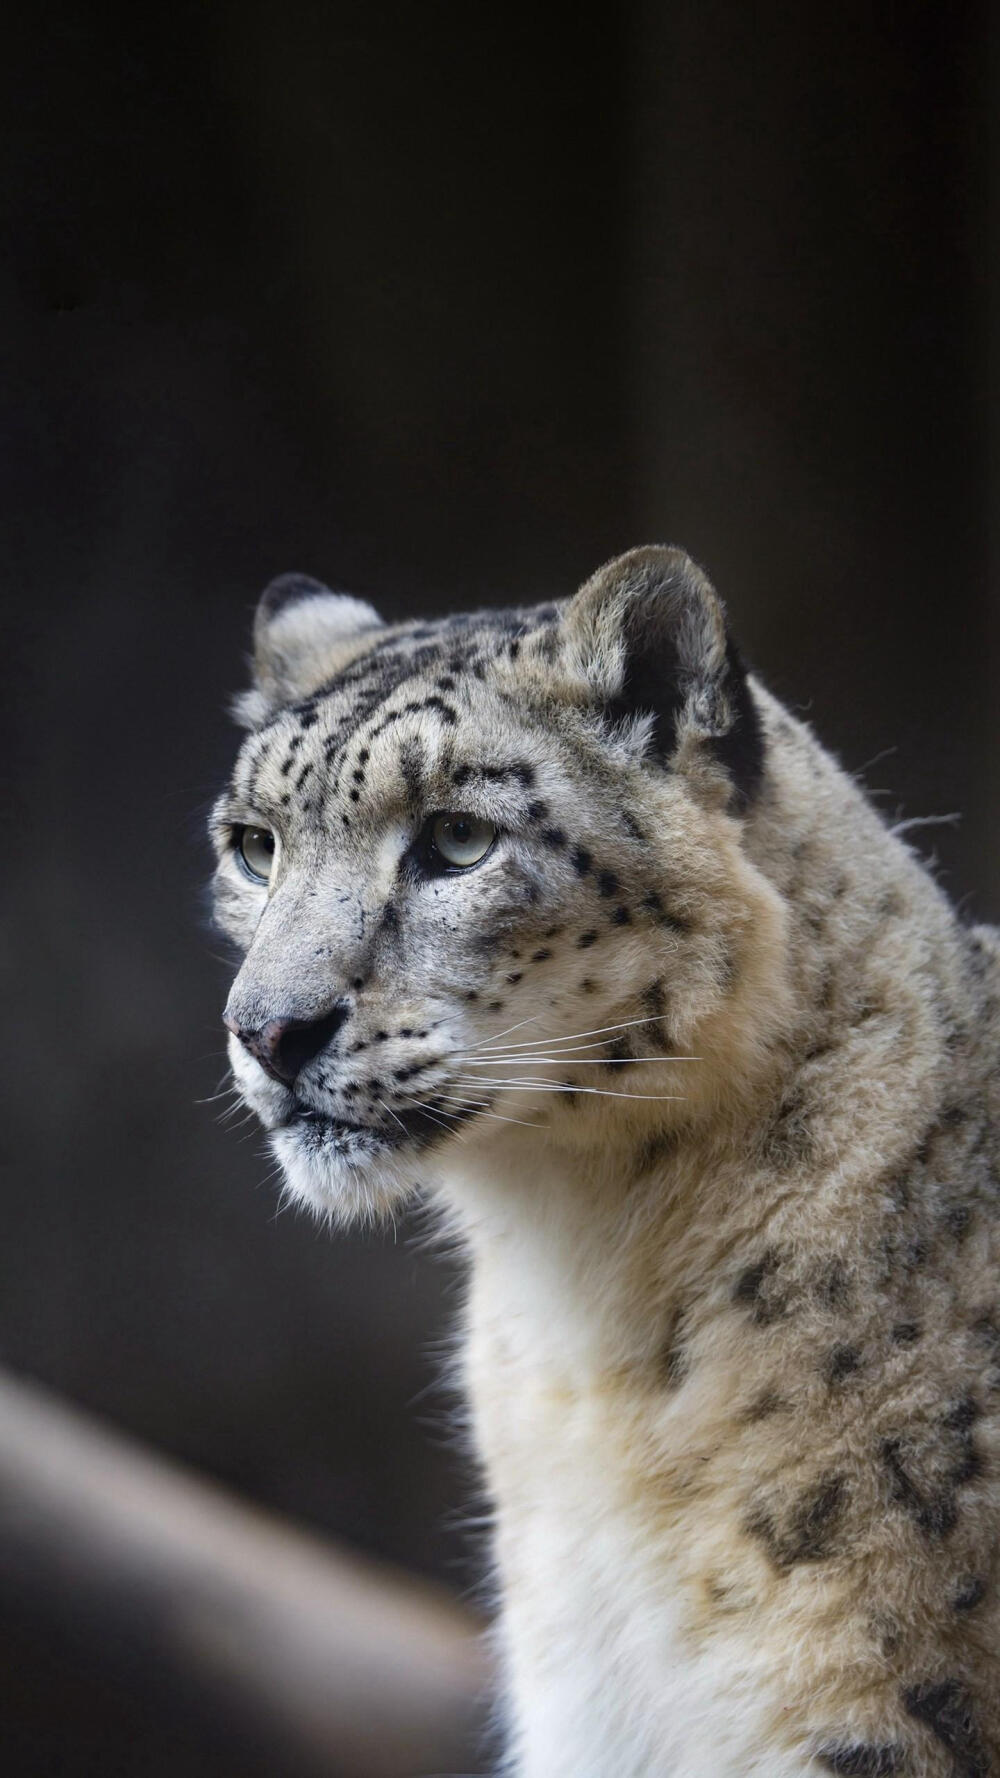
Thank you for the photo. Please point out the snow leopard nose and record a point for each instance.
(284, 1046)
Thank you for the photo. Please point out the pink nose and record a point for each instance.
(283, 1047)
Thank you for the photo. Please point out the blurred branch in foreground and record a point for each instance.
(320, 1662)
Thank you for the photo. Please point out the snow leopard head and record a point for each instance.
(487, 876)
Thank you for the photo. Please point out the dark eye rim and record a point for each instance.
(239, 832)
(430, 862)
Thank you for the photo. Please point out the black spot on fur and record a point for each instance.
(541, 956)
(960, 1420)
(861, 1760)
(809, 1530)
(585, 940)
(622, 917)
(554, 837)
(655, 1149)
(905, 1333)
(654, 1003)
(969, 1593)
(445, 711)
(924, 1474)
(935, 1516)
(675, 1360)
(538, 810)
(842, 1363)
(946, 1709)
(588, 985)
(833, 1288)
(755, 1288)
(652, 901)
(581, 860)
(957, 1219)
(763, 1406)
(517, 976)
(607, 883)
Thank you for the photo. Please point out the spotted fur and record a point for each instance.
(704, 1068)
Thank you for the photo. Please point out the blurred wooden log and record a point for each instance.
(343, 1665)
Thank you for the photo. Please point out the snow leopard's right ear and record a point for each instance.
(648, 636)
(303, 635)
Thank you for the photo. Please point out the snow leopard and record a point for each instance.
(555, 917)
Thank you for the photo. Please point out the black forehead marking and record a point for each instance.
(455, 643)
(411, 764)
(519, 769)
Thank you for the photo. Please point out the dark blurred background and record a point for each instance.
(445, 308)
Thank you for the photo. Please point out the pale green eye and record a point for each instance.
(462, 840)
(255, 849)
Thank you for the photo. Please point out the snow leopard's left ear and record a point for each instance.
(303, 634)
(648, 635)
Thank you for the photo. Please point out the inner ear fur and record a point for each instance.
(303, 635)
(648, 635)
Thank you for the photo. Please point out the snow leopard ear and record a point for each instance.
(648, 634)
(303, 634)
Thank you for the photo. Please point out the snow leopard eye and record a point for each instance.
(255, 851)
(458, 841)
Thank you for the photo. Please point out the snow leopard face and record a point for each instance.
(486, 875)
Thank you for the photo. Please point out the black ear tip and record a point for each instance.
(287, 589)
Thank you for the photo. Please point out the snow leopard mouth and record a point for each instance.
(323, 1131)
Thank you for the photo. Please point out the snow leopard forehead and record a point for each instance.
(643, 647)
(412, 687)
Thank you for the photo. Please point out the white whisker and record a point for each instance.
(528, 1055)
(418, 1105)
(518, 1027)
(572, 1037)
(549, 1086)
(571, 1061)
(393, 1114)
(482, 1109)
(221, 1093)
